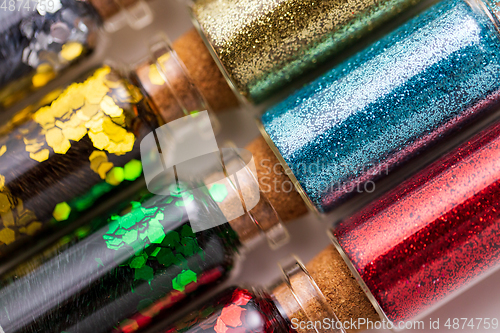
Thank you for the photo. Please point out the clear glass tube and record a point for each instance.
(255, 310)
(432, 236)
(415, 248)
(261, 46)
(415, 87)
(141, 262)
(76, 148)
(40, 39)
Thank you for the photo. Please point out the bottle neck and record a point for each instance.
(491, 8)
(118, 13)
(303, 303)
(165, 80)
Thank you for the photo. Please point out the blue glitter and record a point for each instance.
(385, 104)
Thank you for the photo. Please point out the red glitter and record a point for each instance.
(146, 316)
(433, 234)
(235, 310)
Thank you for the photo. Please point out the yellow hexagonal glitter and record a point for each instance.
(44, 116)
(3, 149)
(7, 236)
(104, 168)
(40, 156)
(87, 111)
(74, 133)
(4, 203)
(2, 182)
(61, 211)
(115, 176)
(96, 158)
(109, 107)
(41, 79)
(33, 228)
(155, 76)
(8, 219)
(100, 140)
(54, 137)
(70, 51)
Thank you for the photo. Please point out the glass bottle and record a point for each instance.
(141, 261)
(77, 147)
(39, 39)
(243, 309)
(433, 235)
(410, 251)
(261, 46)
(371, 114)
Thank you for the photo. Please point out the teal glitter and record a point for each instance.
(388, 102)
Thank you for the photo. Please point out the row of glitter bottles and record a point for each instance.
(50, 140)
(420, 244)
(40, 39)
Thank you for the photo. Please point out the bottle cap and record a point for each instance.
(165, 80)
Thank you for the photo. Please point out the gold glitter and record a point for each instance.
(44, 73)
(126, 145)
(87, 111)
(8, 219)
(263, 45)
(44, 116)
(98, 111)
(4, 203)
(96, 158)
(57, 141)
(71, 51)
(26, 218)
(40, 156)
(155, 76)
(50, 96)
(7, 236)
(95, 124)
(104, 168)
(100, 140)
(110, 108)
(33, 228)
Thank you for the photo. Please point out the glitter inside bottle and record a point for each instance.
(238, 309)
(263, 45)
(415, 248)
(135, 264)
(75, 148)
(39, 40)
(61, 155)
(432, 236)
(150, 256)
(375, 111)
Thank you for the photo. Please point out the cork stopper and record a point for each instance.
(274, 182)
(164, 78)
(247, 209)
(199, 70)
(342, 292)
(204, 71)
